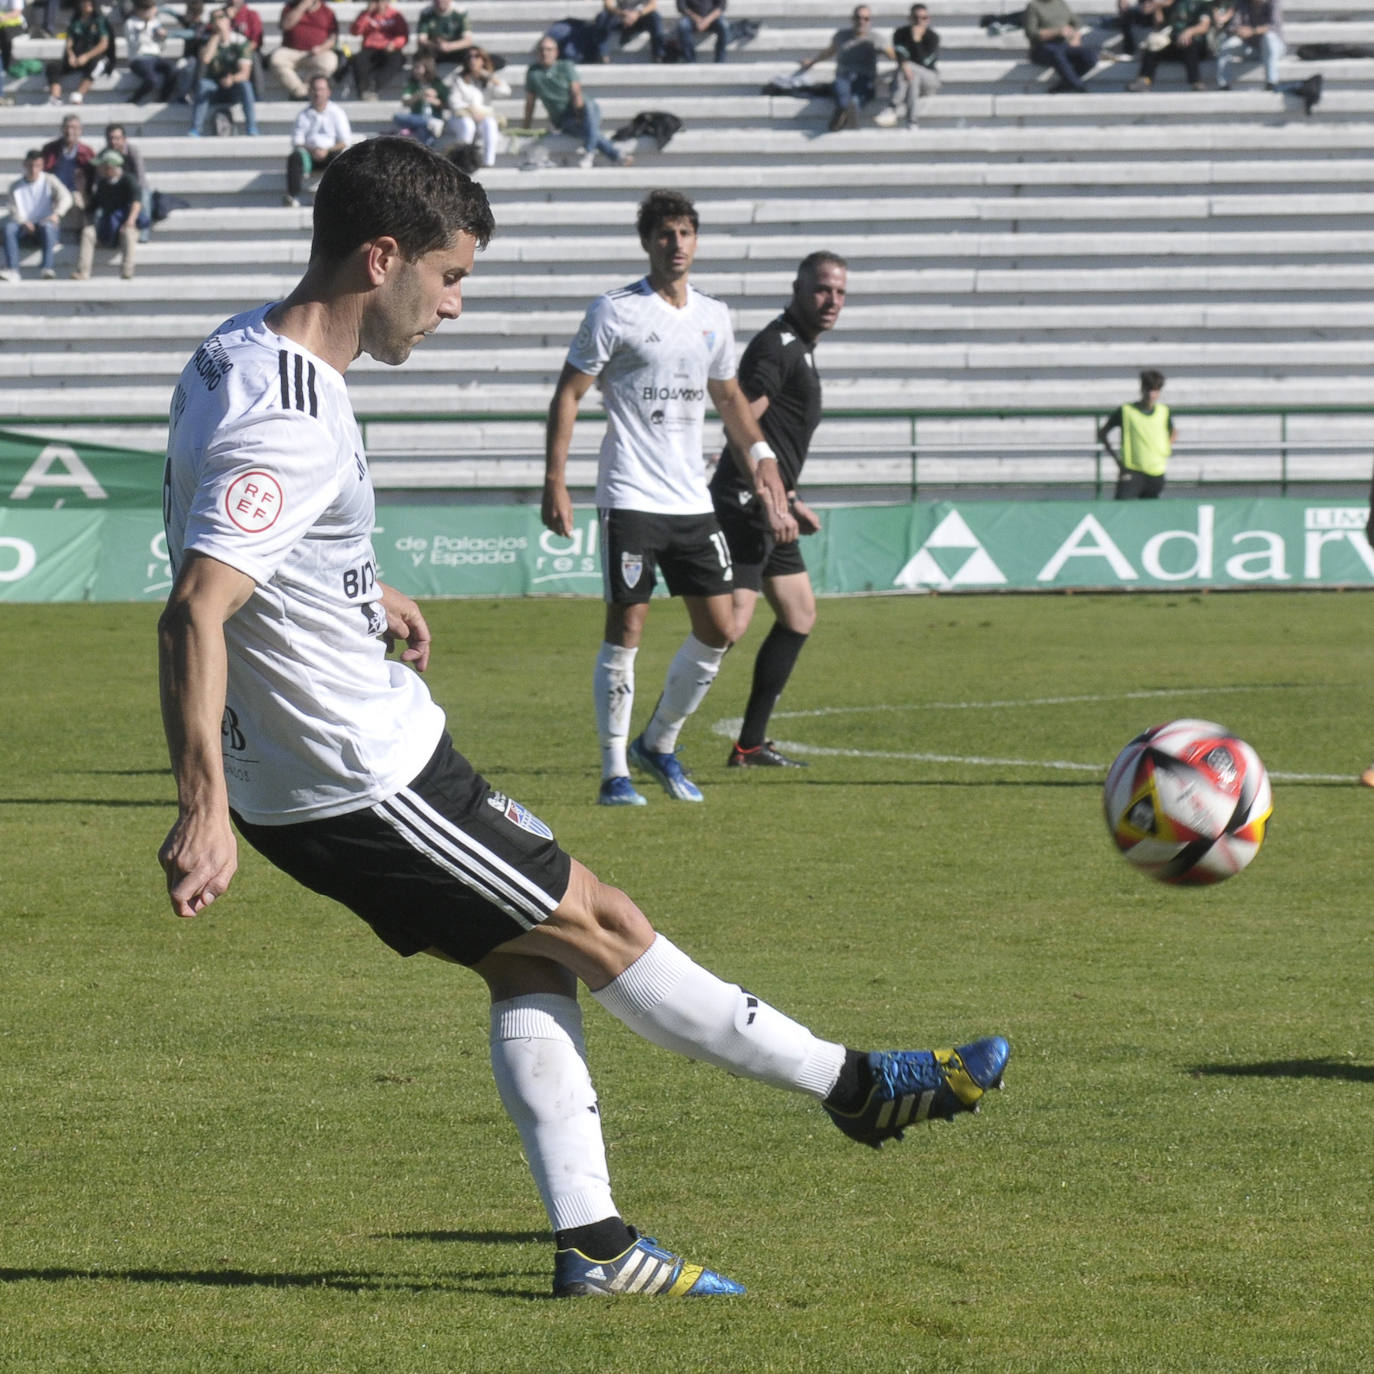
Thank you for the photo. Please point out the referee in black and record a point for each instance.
(778, 377)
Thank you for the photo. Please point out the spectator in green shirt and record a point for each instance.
(90, 50)
(442, 32)
(553, 81)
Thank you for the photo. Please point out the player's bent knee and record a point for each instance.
(596, 930)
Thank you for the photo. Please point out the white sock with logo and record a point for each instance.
(539, 1061)
(690, 675)
(613, 686)
(672, 1001)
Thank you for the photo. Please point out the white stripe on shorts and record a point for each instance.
(434, 835)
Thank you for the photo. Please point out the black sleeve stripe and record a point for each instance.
(297, 383)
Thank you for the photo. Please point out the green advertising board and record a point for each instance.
(51, 474)
(105, 554)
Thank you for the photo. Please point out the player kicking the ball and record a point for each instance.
(657, 348)
(285, 718)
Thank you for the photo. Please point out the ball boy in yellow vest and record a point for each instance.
(1147, 440)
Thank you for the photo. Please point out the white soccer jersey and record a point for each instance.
(652, 362)
(265, 472)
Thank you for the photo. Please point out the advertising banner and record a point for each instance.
(104, 554)
(49, 474)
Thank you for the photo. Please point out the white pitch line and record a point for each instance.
(729, 727)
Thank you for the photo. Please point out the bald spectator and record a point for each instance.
(320, 134)
(69, 160)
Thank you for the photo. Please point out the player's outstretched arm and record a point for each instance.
(555, 507)
(405, 621)
(200, 853)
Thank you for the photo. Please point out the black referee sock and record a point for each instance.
(602, 1240)
(776, 658)
(855, 1083)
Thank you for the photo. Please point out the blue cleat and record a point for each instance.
(923, 1085)
(619, 792)
(667, 770)
(645, 1268)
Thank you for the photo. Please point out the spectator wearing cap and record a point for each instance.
(111, 216)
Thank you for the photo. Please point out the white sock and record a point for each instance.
(613, 686)
(678, 1005)
(539, 1061)
(690, 675)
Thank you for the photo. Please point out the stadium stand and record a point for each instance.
(1016, 251)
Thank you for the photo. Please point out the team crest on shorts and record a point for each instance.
(631, 566)
(518, 815)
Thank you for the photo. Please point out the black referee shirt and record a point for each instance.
(781, 365)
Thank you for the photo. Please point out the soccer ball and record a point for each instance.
(1187, 802)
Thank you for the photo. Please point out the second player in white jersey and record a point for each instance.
(265, 472)
(652, 362)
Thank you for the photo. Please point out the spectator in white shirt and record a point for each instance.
(146, 36)
(475, 86)
(37, 203)
(320, 134)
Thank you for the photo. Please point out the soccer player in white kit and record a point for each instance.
(656, 349)
(285, 718)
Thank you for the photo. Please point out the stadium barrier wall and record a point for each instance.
(111, 553)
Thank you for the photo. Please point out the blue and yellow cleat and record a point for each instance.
(645, 1268)
(923, 1085)
(666, 769)
(619, 792)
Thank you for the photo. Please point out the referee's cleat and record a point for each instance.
(923, 1085)
(619, 792)
(763, 755)
(665, 767)
(645, 1268)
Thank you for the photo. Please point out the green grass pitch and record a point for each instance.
(259, 1141)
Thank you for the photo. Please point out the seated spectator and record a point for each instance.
(71, 162)
(245, 20)
(117, 140)
(474, 122)
(146, 36)
(11, 27)
(320, 134)
(424, 103)
(917, 48)
(1056, 41)
(38, 203)
(1130, 16)
(623, 22)
(1183, 38)
(442, 33)
(697, 18)
(89, 52)
(111, 216)
(1249, 29)
(309, 32)
(193, 31)
(226, 75)
(553, 81)
(855, 51)
(384, 33)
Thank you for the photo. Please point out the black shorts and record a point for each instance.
(689, 548)
(754, 552)
(445, 863)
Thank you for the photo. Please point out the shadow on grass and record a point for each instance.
(1290, 1068)
(165, 802)
(245, 1278)
(473, 1237)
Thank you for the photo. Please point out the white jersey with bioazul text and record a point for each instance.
(265, 472)
(652, 362)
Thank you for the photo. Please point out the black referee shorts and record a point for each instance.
(754, 552)
(445, 863)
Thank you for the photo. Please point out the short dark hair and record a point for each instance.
(813, 262)
(659, 206)
(32, 154)
(110, 128)
(1151, 380)
(400, 188)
